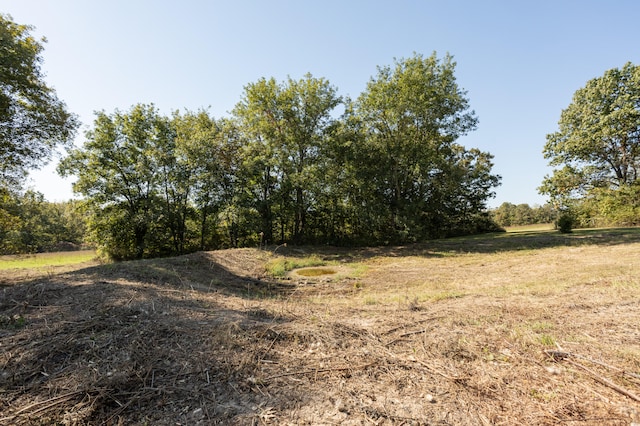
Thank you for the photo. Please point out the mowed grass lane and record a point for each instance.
(44, 260)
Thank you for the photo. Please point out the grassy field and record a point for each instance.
(530, 228)
(531, 327)
(43, 260)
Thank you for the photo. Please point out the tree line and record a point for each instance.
(286, 167)
(29, 223)
(296, 162)
(509, 214)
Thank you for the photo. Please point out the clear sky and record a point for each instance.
(520, 61)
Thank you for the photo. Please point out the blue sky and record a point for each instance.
(520, 61)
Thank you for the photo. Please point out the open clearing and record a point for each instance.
(47, 260)
(530, 328)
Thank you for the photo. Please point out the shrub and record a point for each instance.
(565, 223)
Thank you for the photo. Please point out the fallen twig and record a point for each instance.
(413, 323)
(400, 337)
(560, 355)
(605, 381)
(319, 370)
(51, 402)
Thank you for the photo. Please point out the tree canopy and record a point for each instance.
(33, 121)
(598, 141)
(422, 183)
(286, 167)
(287, 127)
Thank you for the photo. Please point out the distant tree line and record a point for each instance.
(30, 224)
(509, 214)
(294, 162)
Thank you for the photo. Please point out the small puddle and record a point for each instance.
(315, 272)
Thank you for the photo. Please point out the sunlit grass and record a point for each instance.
(41, 260)
(315, 272)
(530, 228)
(607, 260)
(280, 266)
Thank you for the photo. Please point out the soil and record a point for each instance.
(208, 338)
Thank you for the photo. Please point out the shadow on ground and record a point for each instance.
(484, 243)
(133, 342)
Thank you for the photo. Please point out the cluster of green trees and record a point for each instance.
(29, 223)
(33, 122)
(296, 162)
(509, 214)
(285, 167)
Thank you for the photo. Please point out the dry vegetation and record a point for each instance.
(527, 328)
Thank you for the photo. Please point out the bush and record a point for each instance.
(565, 223)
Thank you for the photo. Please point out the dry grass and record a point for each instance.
(516, 329)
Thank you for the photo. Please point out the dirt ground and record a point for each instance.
(423, 335)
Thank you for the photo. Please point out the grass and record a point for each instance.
(462, 322)
(316, 272)
(540, 263)
(530, 228)
(43, 260)
(280, 266)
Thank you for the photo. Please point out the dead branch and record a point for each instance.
(605, 381)
(560, 355)
(44, 405)
(413, 323)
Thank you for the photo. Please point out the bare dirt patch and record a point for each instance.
(442, 334)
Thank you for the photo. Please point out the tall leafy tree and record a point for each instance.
(119, 171)
(210, 150)
(33, 121)
(410, 116)
(597, 145)
(286, 125)
(257, 116)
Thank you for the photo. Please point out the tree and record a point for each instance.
(210, 150)
(598, 141)
(421, 181)
(119, 171)
(29, 223)
(286, 126)
(33, 121)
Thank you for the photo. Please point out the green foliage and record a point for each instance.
(522, 214)
(283, 168)
(597, 144)
(565, 223)
(414, 181)
(123, 170)
(34, 121)
(30, 224)
(286, 127)
(609, 207)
